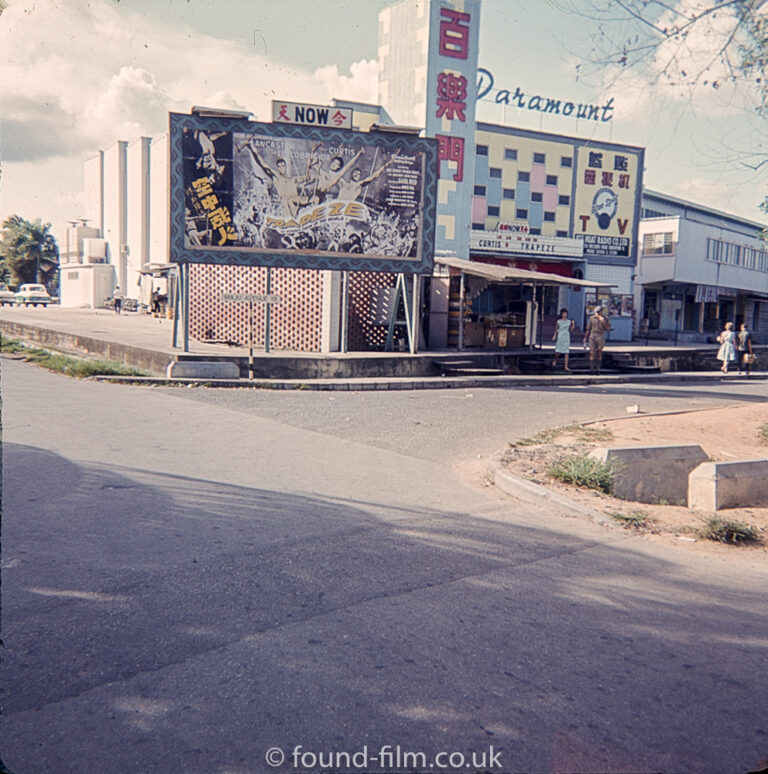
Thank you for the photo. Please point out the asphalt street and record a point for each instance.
(244, 581)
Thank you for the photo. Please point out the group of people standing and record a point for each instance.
(735, 347)
(594, 337)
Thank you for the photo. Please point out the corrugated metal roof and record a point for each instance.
(508, 274)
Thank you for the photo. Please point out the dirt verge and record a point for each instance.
(726, 434)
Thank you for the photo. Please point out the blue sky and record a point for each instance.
(78, 75)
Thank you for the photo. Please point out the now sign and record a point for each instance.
(311, 115)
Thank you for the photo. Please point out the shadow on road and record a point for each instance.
(190, 625)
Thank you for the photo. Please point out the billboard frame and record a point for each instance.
(180, 252)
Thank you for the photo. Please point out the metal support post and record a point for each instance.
(267, 314)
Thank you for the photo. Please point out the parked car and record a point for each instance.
(32, 294)
(7, 296)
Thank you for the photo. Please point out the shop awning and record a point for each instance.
(497, 273)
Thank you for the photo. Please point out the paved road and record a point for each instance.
(449, 425)
(192, 579)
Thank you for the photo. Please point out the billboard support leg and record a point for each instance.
(185, 293)
(416, 314)
(175, 301)
(345, 311)
(267, 315)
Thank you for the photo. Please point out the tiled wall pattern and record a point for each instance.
(523, 180)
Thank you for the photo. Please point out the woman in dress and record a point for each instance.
(727, 351)
(562, 337)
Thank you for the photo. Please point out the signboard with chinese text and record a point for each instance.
(606, 200)
(451, 96)
(256, 194)
(311, 115)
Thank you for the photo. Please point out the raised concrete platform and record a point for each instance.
(145, 342)
(651, 474)
(716, 485)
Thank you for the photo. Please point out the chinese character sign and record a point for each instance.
(451, 98)
(607, 196)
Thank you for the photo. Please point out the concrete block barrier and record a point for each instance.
(202, 369)
(716, 485)
(652, 474)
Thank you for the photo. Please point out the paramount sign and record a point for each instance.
(514, 242)
(311, 115)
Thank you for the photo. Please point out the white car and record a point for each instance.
(32, 294)
(6, 296)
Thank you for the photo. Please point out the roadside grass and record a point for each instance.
(575, 429)
(762, 433)
(66, 364)
(637, 519)
(729, 531)
(581, 470)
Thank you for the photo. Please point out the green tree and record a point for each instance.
(28, 251)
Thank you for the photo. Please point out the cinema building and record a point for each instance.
(525, 222)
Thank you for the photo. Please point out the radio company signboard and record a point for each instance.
(616, 247)
(256, 194)
(607, 199)
(513, 242)
(311, 115)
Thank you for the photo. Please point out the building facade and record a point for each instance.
(699, 268)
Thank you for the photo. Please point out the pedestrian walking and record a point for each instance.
(117, 297)
(727, 352)
(562, 337)
(744, 354)
(597, 328)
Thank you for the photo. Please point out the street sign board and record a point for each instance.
(311, 115)
(256, 298)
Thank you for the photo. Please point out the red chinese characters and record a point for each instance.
(451, 96)
(452, 149)
(454, 33)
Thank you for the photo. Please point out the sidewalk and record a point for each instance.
(145, 342)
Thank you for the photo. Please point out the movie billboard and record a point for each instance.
(262, 194)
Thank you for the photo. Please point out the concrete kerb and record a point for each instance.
(409, 383)
(531, 492)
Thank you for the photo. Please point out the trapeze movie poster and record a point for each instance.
(260, 192)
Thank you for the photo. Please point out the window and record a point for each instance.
(495, 172)
(508, 193)
(723, 252)
(478, 226)
(535, 197)
(566, 161)
(658, 244)
(479, 190)
(523, 177)
(481, 150)
(493, 212)
(561, 233)
(539, 158)
(755, 259)
(563, 199)
(534, 231)
(549, 216)
(551, 179)
(510, 154)
(521, 214)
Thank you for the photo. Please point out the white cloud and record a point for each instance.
(78, 75)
